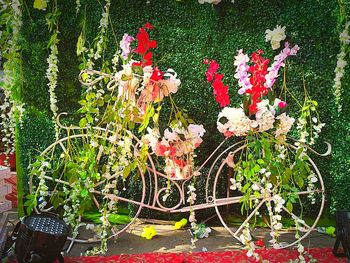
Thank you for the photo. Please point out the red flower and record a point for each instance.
(257, 79)
(213, 67)
(157, 75)
(219, 89)
(148, 26)
(180, 163)
(144, 44)
(137, 64)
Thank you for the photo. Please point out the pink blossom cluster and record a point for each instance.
(177, 145)
(242, 68)
(125, 45)
(278, 63)
(242, 74)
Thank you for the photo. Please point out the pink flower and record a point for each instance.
(242, 75)
(125, 45)
(278, 63)
(282, 104)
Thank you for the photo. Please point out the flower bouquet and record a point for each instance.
(271, 176)
(99, 165)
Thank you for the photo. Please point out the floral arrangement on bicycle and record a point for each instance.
(119, 131)
(268, 168)
(119, 106)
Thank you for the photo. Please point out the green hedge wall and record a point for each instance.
(187, 32)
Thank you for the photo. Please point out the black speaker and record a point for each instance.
(343, 234)
(40, 238)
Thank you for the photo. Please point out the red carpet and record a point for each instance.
(271, 255)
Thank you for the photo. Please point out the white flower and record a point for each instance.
(196, 130)
(255, 187)
(275, 36)
(112, 138)
(285, 125)
(170, 136)
(240, 59)
(265, 116)
(237, 122)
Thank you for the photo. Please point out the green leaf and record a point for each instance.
(84, 193)
(289, 206)
(260, 161)
(287, 175)
(82, 122)
(80, 44)
(126, 171)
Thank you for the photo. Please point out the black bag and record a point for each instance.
(40, 238)
(343, 234)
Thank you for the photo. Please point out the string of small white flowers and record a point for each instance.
(101, 37)
(302, 253)
(344, 39)
(192, 196)
(52, 70)
(246, 240)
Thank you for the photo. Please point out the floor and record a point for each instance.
(169, 240)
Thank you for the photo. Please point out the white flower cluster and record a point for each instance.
(42, 189)
(103, 29)
(246, 240)
(275, 219)
(305, 135)
(344, 39)
(192, 218)
(312, 179)
(52, 75)
(239, 124)
(275, 36)
(192, 196)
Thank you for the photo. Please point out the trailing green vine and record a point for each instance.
(11, 108)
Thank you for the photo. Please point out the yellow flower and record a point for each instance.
(40, 4)
(180, 224)
(148, 232)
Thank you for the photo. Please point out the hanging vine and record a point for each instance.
(344, 39)
(100, 42)
(11, 108)
(52, 60)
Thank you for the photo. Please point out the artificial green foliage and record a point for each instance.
(186, 33)
(33, 136)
